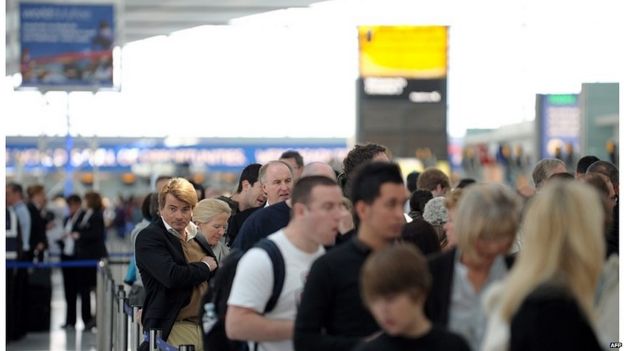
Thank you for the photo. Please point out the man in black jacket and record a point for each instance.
(332, 315)
(175, 267)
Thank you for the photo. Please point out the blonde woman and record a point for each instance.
(485, 225)
(211, 217)
(546, 302)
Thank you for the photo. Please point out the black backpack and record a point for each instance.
(214, 306)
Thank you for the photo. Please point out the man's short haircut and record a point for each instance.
(369, 177)
(397, 269)
(250, 174)
(16, 188)
(464, 182)
(419, 199)
(149, 207)
(360, 154)
(412, 181)
(181, 189)
(421, 234)
(295, 155)
(304, 186)
(544, 169)
(73, 199)
(431, 177)
(34, 190)
(584, 163)
(266, 166)
(163, 177)
(562, 176)
(605, 168)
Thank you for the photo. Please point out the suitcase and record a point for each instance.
(39, 299)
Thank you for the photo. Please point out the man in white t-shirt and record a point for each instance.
(316, 211)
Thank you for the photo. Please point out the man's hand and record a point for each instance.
(211, 262)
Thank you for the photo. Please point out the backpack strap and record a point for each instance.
(279, 271)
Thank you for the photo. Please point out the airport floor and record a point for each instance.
(58, 339)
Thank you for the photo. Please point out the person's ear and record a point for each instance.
(245, 185)
(361, 208)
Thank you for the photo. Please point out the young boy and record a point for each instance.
(395, 284)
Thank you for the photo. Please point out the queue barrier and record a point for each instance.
(120, 330)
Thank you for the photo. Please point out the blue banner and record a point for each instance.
(67, 46)
(123, 157)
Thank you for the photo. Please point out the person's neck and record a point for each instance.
(475, 264)
(242, 206)
(420, 327)
(295, 234)
(372, 239)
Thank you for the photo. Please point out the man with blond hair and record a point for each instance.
(175, 267)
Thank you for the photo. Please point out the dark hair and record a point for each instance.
(464, 182)
(368, 179)
(149, 207)
(562, 176)
(163, 177)
(421, 234)
(419, 199)
(201, 191)
(293, 154)
(73, 199)
(360, 154)
(250, 174)
(16, 188)
(605, 168)
(304, 186)
(431, 177)
(34, 190)
(394, 270)
(412, 180)
(94, 200)
(584, 163)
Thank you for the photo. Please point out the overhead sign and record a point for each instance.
(122, 157)
(418, 52)
(66, 46)
(560, 123)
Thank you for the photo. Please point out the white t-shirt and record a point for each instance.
(253, 284)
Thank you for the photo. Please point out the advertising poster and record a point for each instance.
(66, 46)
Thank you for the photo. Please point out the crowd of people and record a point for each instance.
(304, 257)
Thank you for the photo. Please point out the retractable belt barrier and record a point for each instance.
(118, 329)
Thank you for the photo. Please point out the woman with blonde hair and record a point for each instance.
(211, 217)
(485, 224)
(546, 303)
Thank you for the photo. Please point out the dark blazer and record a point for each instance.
(90, 244)
(442, 268)
(167, 277)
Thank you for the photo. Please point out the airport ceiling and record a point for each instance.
(141, 19)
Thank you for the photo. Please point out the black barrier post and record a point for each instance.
(135, 332)
(110, 322)
(186, 348)
(154, 334)
(122, 320)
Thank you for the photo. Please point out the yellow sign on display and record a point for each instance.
(403, 51)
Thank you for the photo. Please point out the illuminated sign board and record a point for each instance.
(66, 45)
(559, 119)
(123, 157)
(418, 52)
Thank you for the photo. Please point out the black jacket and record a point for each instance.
(90, 244)
(438, 302)
(167, 277)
